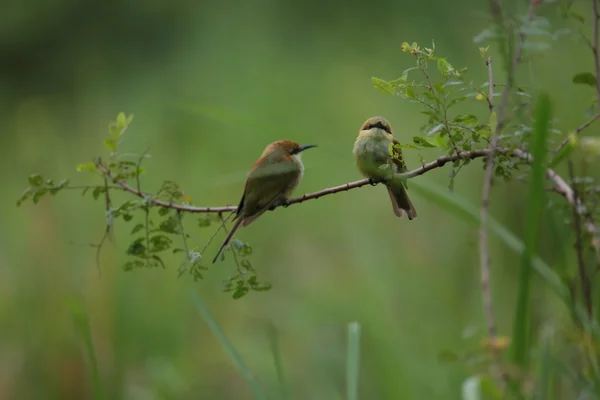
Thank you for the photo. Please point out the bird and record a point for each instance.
(270, 182)
(373, 160)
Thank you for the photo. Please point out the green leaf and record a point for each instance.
(204, 221)
(110, 144)
(447, 356)
(435, 129)
(159, 243)
(585, 78)
(36, 180)
(137, 228)
(444, 67)
(137, 248)
(162, 211)
(441, 141)
(130, 265)
(240, 292)
(91, 167)
(98, 191)
(38, 195)
(24, 196)
(456, 101)
(424, 141)
(382, 85)
(263, 287)
(170, 225)
(410, 92)
(467, 119)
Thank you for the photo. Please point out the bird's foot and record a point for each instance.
(373, 182)
(280, 203)
(285, 203)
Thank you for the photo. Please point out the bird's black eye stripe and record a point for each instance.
(294, 151)
(379, 125)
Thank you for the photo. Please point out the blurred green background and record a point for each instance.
(210, 84)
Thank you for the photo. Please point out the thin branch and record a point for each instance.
(439, 162)
(489, 171)
(577, 132)
(595, 49)
(561, 186)
(106, 234)
(483, 241)
(586, 288)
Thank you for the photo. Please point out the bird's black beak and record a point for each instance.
(306, 146)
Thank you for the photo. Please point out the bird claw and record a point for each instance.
(373, 182)
(280, 203)
(284, 203)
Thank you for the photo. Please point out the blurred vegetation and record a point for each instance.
(210, 85)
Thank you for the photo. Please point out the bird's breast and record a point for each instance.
(371, 152)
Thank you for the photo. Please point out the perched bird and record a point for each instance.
(271, 181)
(373, 160)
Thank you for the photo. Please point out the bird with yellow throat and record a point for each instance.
(270, 183)
(374, 161)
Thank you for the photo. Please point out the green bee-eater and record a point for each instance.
(373, 160)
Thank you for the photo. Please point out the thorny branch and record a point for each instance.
(562, 187)
(583, 276)
(577, 132)
(486, 291)
(489, 169)
(596, 49)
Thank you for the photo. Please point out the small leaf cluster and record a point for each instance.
(245, 278)
(39, 187)
(157, 230)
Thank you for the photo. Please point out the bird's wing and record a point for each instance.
(266, 184)
(398, 159)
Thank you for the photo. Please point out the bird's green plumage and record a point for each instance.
(372, 154)
(377, 158)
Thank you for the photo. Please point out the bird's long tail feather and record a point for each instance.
(400, 201)
(234, 228)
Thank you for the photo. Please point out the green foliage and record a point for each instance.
(157, 230)
(585, 78)
(39, 187)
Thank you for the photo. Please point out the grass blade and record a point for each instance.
(353, 360)
(80, 317)
(231, 351)
(274, 344)
(466, 211)
(521, 328)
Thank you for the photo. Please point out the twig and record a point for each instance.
(107, 227)
(439, 162)
(489, 171)
(486, 291)
(585, 280)
(561, 186)
(577, 132)
(595, 50)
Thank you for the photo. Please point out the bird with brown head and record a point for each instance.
(271, 181)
